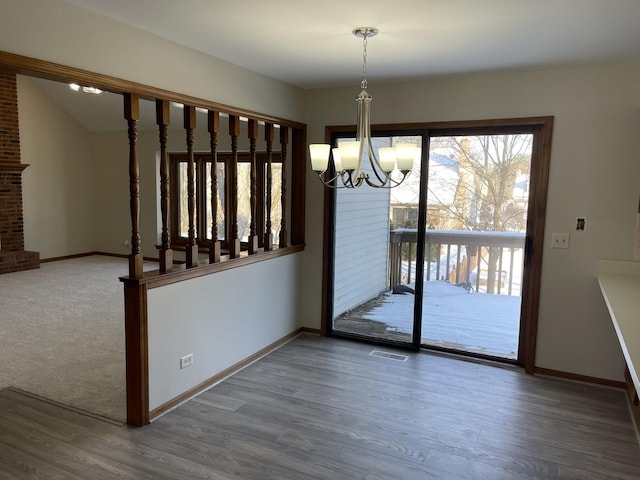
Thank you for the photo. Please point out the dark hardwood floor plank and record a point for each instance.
(324, 409)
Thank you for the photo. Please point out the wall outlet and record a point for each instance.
(186, 361)
(559, 240)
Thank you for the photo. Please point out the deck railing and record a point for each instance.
(489, 262)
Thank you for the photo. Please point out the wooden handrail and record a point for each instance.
(460, 271)
(461, 237)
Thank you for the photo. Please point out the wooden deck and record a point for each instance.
(321, 408)
(452, 318)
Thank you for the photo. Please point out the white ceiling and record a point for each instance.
(310, 44)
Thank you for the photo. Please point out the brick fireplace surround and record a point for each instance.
(13, 256)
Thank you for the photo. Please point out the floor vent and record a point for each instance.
(390, 356)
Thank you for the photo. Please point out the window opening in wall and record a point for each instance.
(203, 216)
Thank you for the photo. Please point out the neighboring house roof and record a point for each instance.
(521, 187)
(443, 182)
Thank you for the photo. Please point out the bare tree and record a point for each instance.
(491, 190)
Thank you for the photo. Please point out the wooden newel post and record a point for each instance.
(192, 246)
(269, 136)
(214, 127)
(232, 202)
(132, 115)
(162, 120)
(252, 241)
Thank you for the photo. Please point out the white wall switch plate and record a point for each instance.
(559, 240)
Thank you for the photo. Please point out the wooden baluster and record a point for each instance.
(284, 140)
(192, 246)
(253, 238)
(132, 115)
(232, 177)
(268, 136)
(214, 128)
(162, 120)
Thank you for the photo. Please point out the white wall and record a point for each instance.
(57, 31)
(595, 173)
(218, 333)
(57, 187)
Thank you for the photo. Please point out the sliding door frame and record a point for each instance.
(541, 128)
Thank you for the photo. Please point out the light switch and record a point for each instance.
(559, 240)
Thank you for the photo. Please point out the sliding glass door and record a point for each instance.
(443, 260)
(476, 201)
(362, 303)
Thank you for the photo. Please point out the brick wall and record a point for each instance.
(12, 255)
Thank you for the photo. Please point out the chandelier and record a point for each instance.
(346, 169)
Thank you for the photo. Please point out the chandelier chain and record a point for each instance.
(363, 84)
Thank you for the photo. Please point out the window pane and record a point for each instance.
(183, 209)
(183, 202)
(244, 203)
(220, 207)
(276, 205)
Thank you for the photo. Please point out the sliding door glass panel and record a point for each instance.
(477, 200)
(368, 222)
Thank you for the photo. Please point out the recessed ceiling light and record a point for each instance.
(76, 88)
(94, 90)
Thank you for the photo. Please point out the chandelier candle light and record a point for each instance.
(348, 157)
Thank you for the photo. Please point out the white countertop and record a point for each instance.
(620, 285)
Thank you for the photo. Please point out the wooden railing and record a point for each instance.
(139, 282)
(488, 262)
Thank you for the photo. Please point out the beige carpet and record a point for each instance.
(62, 333)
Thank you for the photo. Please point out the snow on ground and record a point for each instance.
(454, 318)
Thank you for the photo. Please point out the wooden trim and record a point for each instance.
(78, 255)
(534, 243)
(67, 74)
(298, 185)
(580, 378)
(7, 167)
(312, 331)
(180, 399)
(66, 406)
(137, 353)
(88, 254)
(447, 128)
(155, 279)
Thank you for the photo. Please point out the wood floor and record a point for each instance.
(321, 408)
